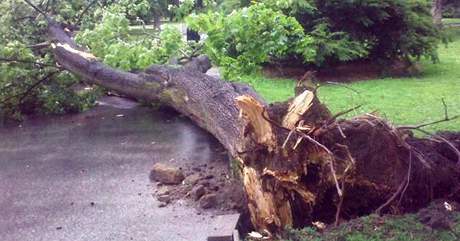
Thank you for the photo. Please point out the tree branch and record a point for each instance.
(38, 10)
(446, 119)
(82, 14)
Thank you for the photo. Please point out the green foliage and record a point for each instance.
(333, 31)
(187, 7)
(137, 8)
(61, 95)
(31, 86)
(291, 7)
(227, 6)
(335, 45)
(110, 40)
(240, 42)
(387, 28)
(394, 28)
(30, 82)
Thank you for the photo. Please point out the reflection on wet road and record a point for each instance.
(86, 176)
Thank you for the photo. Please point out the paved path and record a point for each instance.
(85, 177)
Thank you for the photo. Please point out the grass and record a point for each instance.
(451, 20)
(395, 228)
(401, 100)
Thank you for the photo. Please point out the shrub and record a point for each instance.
(318, 32)
(389, 29)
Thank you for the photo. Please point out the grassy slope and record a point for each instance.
(401, 100)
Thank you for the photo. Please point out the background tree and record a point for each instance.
(451, 9)
(159, 10)
(436, 11)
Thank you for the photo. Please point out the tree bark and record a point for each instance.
(298, 162)
(436, 12)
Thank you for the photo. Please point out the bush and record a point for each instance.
(318, 32)
(389, 29)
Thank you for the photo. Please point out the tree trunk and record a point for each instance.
(157, 21)
(436, 12)
(298, 163)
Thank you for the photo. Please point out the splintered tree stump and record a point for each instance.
(299, 164)
(320, 169)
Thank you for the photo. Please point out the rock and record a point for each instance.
(162, 205)
(214, 72)
(197, 192)
(205, 183)
(208, 201)
(162, 190)
(210, 176)
(166, 174)
(214, 188)
(193, 179)
(164, 198)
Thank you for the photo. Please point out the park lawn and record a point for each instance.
(451, 20)
(403, 101)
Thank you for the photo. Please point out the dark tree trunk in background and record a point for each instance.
(298, 163)
(174, 3)
(436, 12)
(157, 21)
(191, 34)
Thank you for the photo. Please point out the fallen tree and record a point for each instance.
(299, 163)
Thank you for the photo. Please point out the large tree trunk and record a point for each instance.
(436, 12)
(298, 163)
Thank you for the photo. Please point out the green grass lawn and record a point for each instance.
(451, 20)
(388, 227)
(400, 100)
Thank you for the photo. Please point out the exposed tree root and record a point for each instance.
(375, 162)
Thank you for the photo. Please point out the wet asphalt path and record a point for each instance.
(86, 176)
